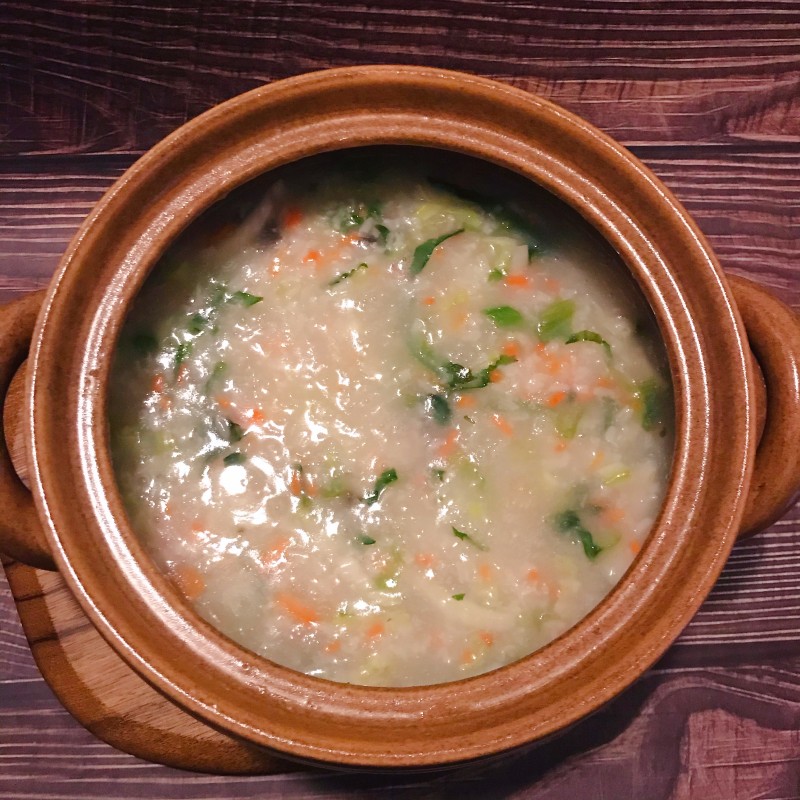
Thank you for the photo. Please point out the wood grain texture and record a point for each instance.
(706, 92)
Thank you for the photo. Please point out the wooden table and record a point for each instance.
(706, 92)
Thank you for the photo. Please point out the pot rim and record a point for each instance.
(141, 614)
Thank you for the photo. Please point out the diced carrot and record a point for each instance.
(598, 459)
(533, 575)
(425, 560)
(467, 656)
(487, 638)
(333, 647)
(190, 581)
(496, 375)
(459, 319)
(552, 285)
(182, 374)
(168, 510)
(612, 515)
(164, 403)
(511, 349)
(448, 446)
(553, 591)
(296, 483)
(275, 552)
(556, 398)
(254, 415)
(302, 613)
(222, 401)
(484, 571)
(312, 257)
(292, 217)
(541, 348)
(604, 382)
(197, 527)
(553, 365)
(560, 446)
(310, 487)
(157, 384)
(429, 300)
(376, 629)
(518, 281)
(503, 424)
(635, 546)
(466, 401)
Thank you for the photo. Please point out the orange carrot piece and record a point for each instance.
(296, 483)
(604, 382)
(190, 581)
(429, 300)
(425, 560)
(612, 515)
(448, 446)
(274, 553)
(552, 284)
(466, 401)
(292, 218)
(503, 424)
(467, 656)
(333, 647)
(254, 415)
(376, 629)
(635, 546)
(312, 257)
(541, 348)
(487, 638)
(556, 398)
(511, 348)
(459, 319)
(495, 376)
(598, 459)
(560, 446)
(553, 365)
(484, 571)
(533, 575)
(157, 384)
(301, 612)
(518, 281)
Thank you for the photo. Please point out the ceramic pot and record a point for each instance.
(723, 480)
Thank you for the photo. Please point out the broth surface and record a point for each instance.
(387, 433)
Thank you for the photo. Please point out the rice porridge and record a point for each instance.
(386, 432)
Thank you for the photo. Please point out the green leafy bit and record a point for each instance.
(424, 251)
(362, 538)
(460, 378)
(569, 521)
(335, 487)
(350, 272)
(438, 409)
(459, 596)
(655, 403)
(235, 432)
(497, 274)
(182, 353)
(589, 336)
(384, 479)
(504, 316)
(234, 458)
(197, 322)
(567, 418)
(465, 537)
(245, 298)
(383, 233)
(555, 321)
(438, 474)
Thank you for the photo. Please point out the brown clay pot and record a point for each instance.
(723, 480)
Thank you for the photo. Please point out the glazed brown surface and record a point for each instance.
(721, 711)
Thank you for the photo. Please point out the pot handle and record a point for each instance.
(773, 330)
(21, 534)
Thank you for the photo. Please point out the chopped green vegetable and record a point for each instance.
(383, 233)
(182, 353)
(234, 458)
(438, 474)
(197, 323)
(362, 538)
(345, 275)
(555, 321)
(235, 432)
(459, 596)
(504, 316)
(589, 336)
(424, 251)
(245, 298)
(567, 417)
(497, 274)
(384, 479)
(336, 487)
(655, 403)
(460, 378)
(438, 409)
(570, 522)
(465, 537)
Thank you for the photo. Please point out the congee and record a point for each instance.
(385, 431)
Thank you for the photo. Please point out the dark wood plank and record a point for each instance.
(102, 76)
